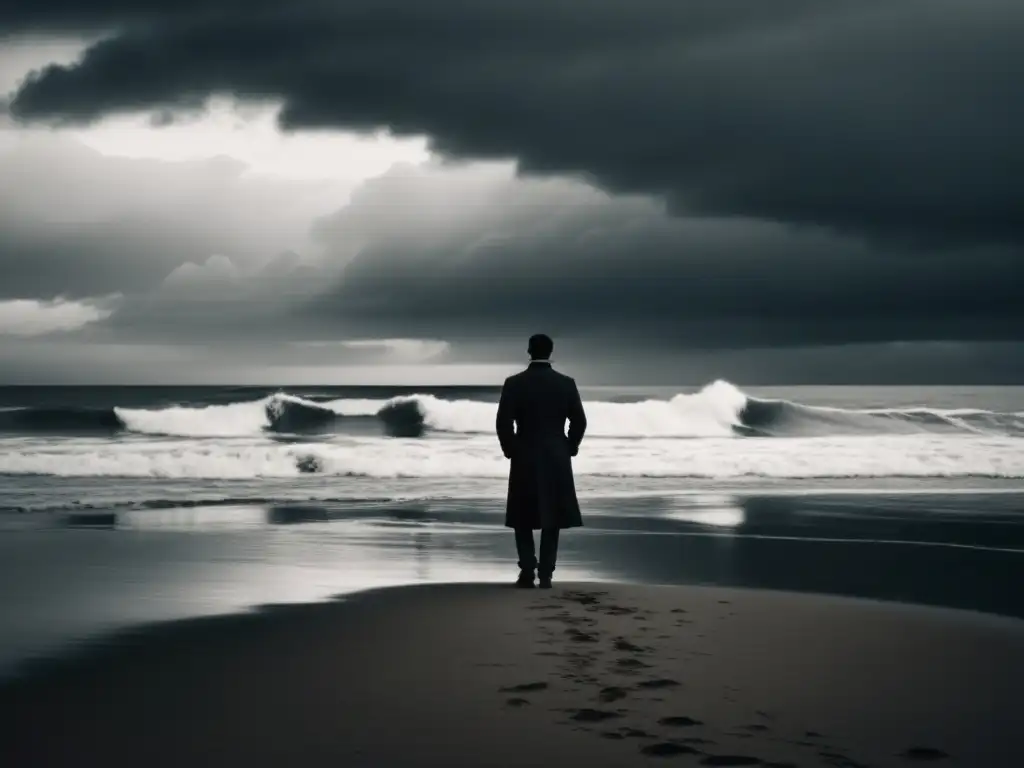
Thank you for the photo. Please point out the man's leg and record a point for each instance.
(527, 555)
(548, 553)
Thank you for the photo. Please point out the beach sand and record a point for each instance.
(487, 675)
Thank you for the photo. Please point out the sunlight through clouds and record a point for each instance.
(249, 133)
(391, 350)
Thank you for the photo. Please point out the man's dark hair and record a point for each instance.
(540, 347)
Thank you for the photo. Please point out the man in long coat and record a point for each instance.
(541, 490)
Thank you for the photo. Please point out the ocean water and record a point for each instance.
(121, 506)
(152, 447)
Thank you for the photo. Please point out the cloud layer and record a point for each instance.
(28, 318)
(639, 179)
(896, 118)
(78, 223)
(485, 254)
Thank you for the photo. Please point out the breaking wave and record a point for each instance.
(896, 456)
(718, 410)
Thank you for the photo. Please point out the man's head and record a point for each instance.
(540, 347)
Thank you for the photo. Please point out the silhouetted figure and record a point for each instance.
(541, 490)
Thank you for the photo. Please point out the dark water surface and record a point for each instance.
(71, 576)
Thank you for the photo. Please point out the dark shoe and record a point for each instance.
(525, 580)
(544, 582)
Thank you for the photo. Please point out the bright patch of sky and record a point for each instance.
(249, 133)
(33, 317)
(226, 128)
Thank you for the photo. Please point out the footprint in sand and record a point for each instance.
(923, 753)
(581, 637)
(525, 688)
(668, 749)
(583, 598)
(653, 685)
(622, 644)
(679, 721)
(619, 610)
(636, 733)
(593, 715)
(562, 617)
(757, 727)
(731, 760)
(516, 702)
(611, 694)
(632, 664)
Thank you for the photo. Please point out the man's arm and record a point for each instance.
(504, 423)
(577, 420)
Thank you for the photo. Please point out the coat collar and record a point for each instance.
(540, 363)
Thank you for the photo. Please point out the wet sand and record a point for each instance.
(72, 577)
(486, 675)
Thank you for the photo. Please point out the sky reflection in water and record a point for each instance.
(87, 573)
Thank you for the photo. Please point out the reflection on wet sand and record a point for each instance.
(698, 510)
(86, 572)
(717, 511)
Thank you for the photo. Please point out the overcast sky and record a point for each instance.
(394, 190)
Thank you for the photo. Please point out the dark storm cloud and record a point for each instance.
(892, 118)
(73, 16)
(485, 255)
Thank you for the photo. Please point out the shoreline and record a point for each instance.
(595, 673)
(82, 576)
(604, 503)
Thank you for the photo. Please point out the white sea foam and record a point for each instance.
(477, 456)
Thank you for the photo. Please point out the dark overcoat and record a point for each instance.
(532, 412)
